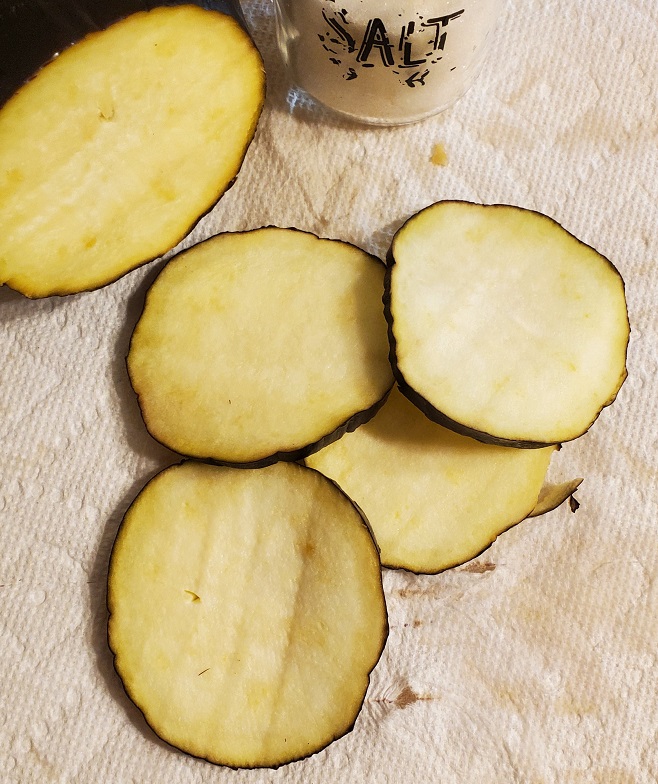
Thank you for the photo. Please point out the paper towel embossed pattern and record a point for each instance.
(544, 667)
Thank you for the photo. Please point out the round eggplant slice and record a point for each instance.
(433, 498)
(117, 146)
(504, 326)
(260, 346)
(246, 611)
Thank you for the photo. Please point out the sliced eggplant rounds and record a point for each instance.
(117, 146)
(433, 498)
(246, 611)
(504, 326)
(260, 346)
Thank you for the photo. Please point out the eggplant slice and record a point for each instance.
(433, 498)
(246, 611)
(116, 147)
(504, 326)
(260, 346)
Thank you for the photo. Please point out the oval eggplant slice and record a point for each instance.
(116, 147)
(246, 611)
(433, 498)
(504, 326)
(260, 346)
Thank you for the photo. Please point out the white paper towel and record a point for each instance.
(535, 663)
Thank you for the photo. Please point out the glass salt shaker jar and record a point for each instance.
(385, 62)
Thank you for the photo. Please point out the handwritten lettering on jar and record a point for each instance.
(407, 52)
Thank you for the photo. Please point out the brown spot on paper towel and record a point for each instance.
(403, 699)
(406, 697)
(569, 705)
(439, 155)
(479, 567)
(605, 775)
(426, 591)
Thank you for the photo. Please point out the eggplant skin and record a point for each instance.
(382, 644)
(228, 766)
(433, 572)
(421, 402)
(441, 419)
(292, 456)
(296, 455)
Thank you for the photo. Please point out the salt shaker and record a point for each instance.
(385, 61)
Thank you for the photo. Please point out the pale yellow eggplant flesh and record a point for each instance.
(261, 346)
(434, 498)
(107, 161)
(502, 325)
(246, 611)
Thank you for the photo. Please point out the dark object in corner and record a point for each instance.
(32, 32)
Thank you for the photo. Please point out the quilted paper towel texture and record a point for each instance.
(534, 663)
